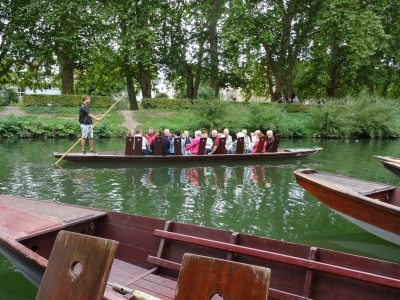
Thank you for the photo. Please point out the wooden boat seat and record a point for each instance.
(73, 272)
(177, 146)
(158, 146)
(260, 145)
(221, 147)
(202, 146)
(203, 277)
(240, 145)
(137, 145)
(129, 145)
(274, 146)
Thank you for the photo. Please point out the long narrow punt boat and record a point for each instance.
(123, 158)
(390, 163)
(150, 252)
(372, 206)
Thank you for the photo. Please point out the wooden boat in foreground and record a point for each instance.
(372, 206)
(150, 252)
(390, 163)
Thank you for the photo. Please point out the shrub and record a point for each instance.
(330, 120)
(372, 117)
(65, 100)
(165, 103)
(219, 115)
(161, 96)
(205, 92)
(8, 96)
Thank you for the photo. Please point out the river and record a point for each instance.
(261, 199)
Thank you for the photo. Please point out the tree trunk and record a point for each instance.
(67, 65)
(130, 86)
(189, 82)
(333, 69)
(198, 68)
(145, 81)
(213, 40)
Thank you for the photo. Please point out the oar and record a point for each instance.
(86, 133)
(385, 158)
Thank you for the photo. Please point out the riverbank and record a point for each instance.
(345, 118)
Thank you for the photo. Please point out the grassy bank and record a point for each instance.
(60, 122)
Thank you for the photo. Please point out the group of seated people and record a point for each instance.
(190, 145)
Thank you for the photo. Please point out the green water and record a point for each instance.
(261, 199)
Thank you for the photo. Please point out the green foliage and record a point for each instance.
(205, 93)
(167, 118)
(161, 96)
(165, 103)
(363, 117)
(8, 96)
(65, 100)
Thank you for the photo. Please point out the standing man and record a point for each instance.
(85, 119)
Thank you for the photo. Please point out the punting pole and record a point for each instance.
(86, 133)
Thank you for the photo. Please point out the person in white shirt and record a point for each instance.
(229, 141)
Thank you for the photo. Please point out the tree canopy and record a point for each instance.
(275, 49)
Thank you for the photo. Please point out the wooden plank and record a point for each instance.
(178, 146)
(285, 259)
(308, 282)
(240, 145)
(202, 277)
(137, 145)
(78, 267)
(129, 141)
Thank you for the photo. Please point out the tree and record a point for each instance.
(272, 34)
(64, 29)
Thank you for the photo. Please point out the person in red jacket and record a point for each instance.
(194, 146)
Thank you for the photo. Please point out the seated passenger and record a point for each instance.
(164, 145)
(255, 145)
(145, 145)
(150, 136)
(188, 139)
(131, 133)
(216, 142)
(209, 143)
(229, 141)
(269, 141)
(193, 148)
(247, 142)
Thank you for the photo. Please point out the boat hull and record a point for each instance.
(372, 214)
(384, 234)
(392, 167)
(120, 157)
